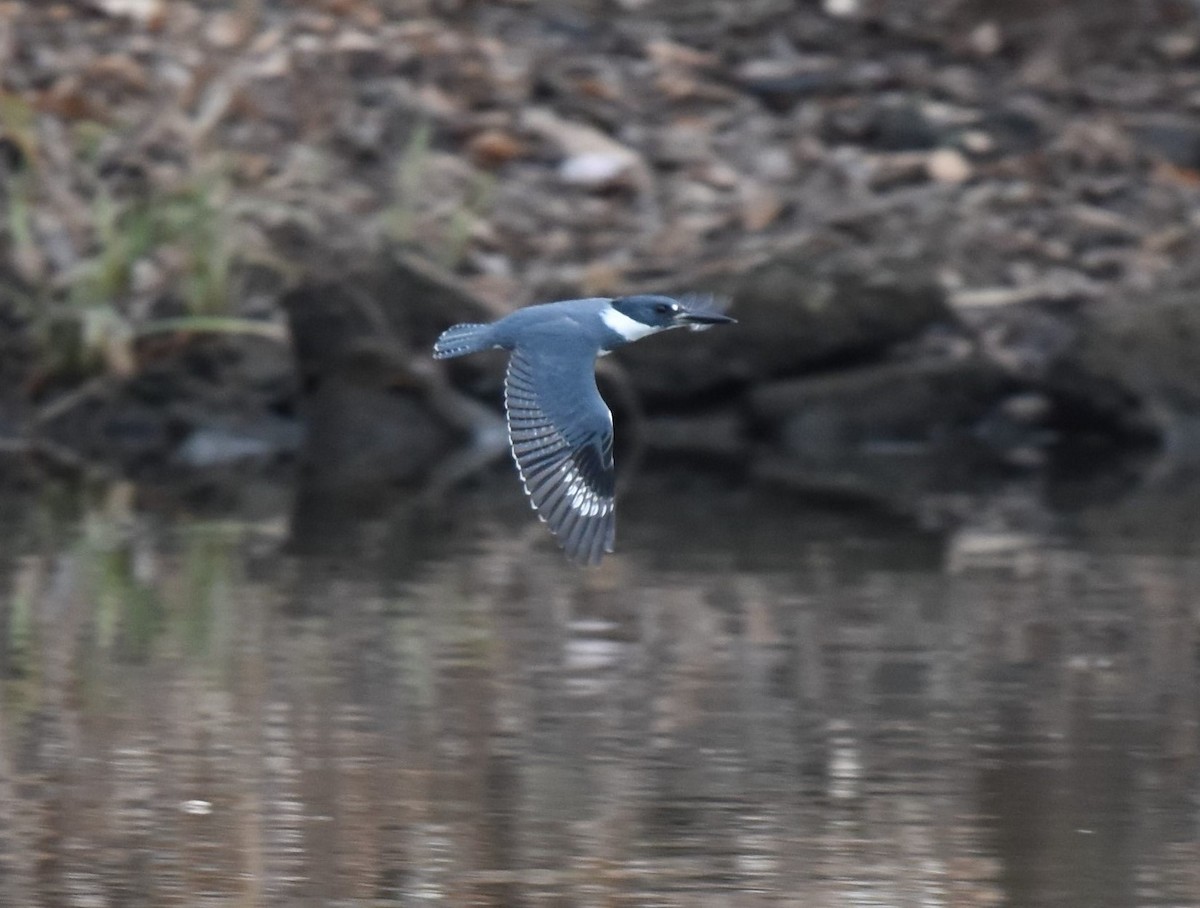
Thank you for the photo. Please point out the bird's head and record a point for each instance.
(661, 312)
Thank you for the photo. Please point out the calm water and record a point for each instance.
(758, 701)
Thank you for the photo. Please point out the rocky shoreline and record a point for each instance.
(950, 234)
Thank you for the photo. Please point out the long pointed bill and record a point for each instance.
(702, 321)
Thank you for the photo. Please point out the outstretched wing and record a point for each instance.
(561, 436)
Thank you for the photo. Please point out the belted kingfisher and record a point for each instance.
(559, 429)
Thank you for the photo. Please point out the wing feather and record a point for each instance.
(560, 432)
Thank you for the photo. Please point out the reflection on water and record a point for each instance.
(754, 703)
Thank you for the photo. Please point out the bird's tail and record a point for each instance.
(462, 339)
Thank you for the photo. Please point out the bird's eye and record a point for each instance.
(663, 308)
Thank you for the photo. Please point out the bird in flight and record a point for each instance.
(559, 428)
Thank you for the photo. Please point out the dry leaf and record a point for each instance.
(226, 29)
(760, 207)
(494, 147)
(668, 53)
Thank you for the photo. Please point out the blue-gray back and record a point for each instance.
(566, 326)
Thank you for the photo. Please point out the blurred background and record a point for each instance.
(905, 607)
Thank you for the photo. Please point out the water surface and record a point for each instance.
(757, 701)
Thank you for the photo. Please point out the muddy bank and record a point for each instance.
(944, 227)
(875, 388)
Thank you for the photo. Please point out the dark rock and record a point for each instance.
(12, 155)
(105, 428)
(719, 434)
(1136, 366)
(897, 433)
(360, 435)
(244, 373)
(402, 298)
(894, 404)
(187, 388)
(780, 93)
(18, 353)
(1173, 139)
(797, 312)
(1024, 340)
(369, 414)
(1012, 130)
(883, 127)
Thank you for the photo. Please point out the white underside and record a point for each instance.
(629, 328)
